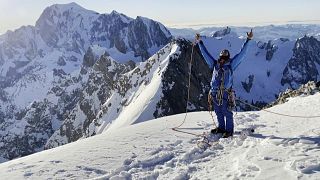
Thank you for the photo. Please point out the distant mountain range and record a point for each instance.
(262, 33)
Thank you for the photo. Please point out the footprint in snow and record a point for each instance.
(306, 165)
(27, 174)
(169, 147)
(254, 116)
(55, 161)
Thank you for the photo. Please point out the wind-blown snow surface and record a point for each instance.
(281, 148)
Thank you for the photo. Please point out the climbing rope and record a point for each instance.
(280, 114)
(220, 98)
(188, 98)
(210, 109)
(316, 131)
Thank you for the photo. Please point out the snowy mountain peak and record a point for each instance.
(116, 13)
(76, 29)
(69, 56)
(304, 41)
(55, 12)
(123, 17)
(67, 7)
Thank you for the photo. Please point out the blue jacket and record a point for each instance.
(226, 70)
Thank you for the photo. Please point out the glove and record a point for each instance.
(197, 38)
(250, 35)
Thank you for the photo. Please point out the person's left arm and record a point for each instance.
(237, 59)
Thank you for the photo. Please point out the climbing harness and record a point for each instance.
(219, 95)
(231, 99)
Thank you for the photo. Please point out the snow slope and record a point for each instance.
(142, 101)
(281, 148)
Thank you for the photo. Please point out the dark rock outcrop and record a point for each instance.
(175, 81)
(309, 88)
(247, 85)
(61, 61)
(30, 139)
(271, 49)
(302, 68)
(77, 115)
(222, 32)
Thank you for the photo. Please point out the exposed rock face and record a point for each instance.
(88, 60)
(138, 40)
(302, 67)
(61, 61)
(248, 84)
(222, 32)
(309, 88)
(271, 49)
(175, 81)
(98, 79)
(30, 134)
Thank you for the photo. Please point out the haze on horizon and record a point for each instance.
(16, 13)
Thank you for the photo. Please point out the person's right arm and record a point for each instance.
(206, 55)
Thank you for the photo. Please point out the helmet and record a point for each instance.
(224, 54)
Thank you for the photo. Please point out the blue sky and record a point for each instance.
(174, 13)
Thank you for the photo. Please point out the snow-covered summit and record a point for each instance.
(123, 17)
(72, 27)
(62, 8)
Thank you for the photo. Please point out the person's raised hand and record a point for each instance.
(250, 34)
(197, 37)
